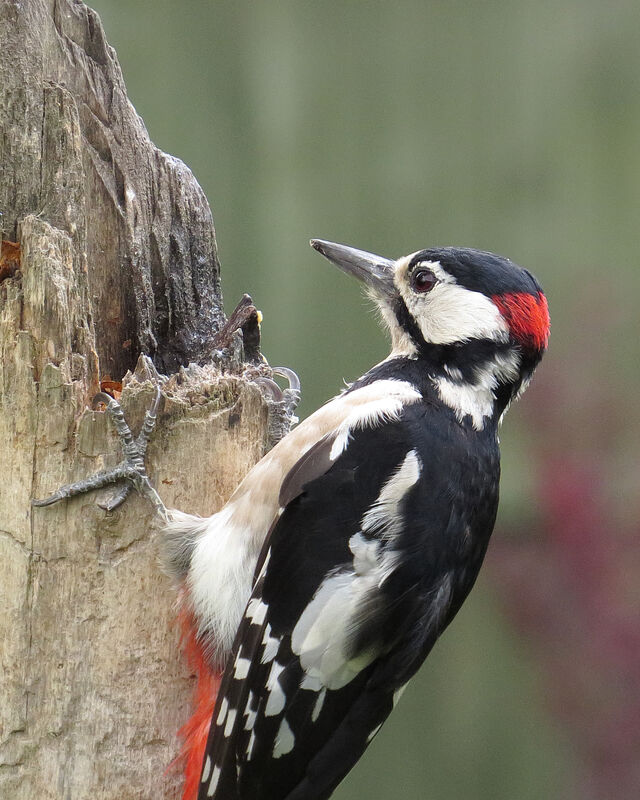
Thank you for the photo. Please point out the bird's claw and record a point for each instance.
(282, 402)
(130, 472)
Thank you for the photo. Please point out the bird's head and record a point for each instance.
(457, 308)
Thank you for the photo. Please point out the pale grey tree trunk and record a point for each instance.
(117, 258)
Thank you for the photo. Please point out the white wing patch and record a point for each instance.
(321, 638)
(384, 515)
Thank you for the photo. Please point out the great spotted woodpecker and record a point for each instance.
(324, 582)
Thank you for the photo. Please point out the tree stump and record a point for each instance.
(114, 256)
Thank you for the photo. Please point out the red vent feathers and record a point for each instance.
(196, 731)
(527, 316)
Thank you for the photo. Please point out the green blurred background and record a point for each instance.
(507, 126)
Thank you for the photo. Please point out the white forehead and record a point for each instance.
(449, 313)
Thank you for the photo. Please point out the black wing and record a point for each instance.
(347, 604)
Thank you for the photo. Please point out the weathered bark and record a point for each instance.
(118, 257)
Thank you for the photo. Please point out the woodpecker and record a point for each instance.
(322, 585)
(325, 581)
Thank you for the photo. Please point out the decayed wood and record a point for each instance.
(74, 152)
(117, 257)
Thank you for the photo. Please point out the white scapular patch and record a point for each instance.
(385, 408)
(213, 783)
(276, 700)
(206, 770)
(317, 708)
(241, 668)
(231, 719)
(256, 611)
(477, 399)
(222, 714)
(450, 313)
(383, 518)
(285, 740)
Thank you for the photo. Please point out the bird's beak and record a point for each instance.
(374, 271)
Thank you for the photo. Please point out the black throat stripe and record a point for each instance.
(408, 323)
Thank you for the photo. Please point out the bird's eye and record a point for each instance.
(423, 280)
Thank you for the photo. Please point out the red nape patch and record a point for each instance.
(527, 316)
(196, 731)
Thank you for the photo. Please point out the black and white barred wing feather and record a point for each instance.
(338, 621)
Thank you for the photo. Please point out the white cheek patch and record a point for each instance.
(450, 313)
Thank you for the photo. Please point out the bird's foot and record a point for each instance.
(282, 403)
(130, 472)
